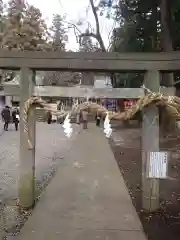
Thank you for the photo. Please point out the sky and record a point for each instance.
(74, 10)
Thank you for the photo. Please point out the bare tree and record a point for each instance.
(97, 33)
(88, 32)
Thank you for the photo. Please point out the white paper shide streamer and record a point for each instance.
(107, 126)
(67, 127)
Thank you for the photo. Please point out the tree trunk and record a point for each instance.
(98, 33)
(166, 41)
(167, 46)
(87, 79)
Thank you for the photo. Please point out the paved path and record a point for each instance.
(51, 148)
(87, 198)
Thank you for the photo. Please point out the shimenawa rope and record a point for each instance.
(171, 104)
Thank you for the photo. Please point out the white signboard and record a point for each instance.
(158, 165)
(54, 117)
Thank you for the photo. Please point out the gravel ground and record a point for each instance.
(51, 146)
(163, 224)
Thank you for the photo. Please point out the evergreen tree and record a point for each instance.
(59, 33)
(87, 45)
(145, 26)
(24, 28)
(35, 30)
(2, 20)
(13, 34)
(5, 75)
(59, 39)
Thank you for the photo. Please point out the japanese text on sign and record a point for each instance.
(158, 164)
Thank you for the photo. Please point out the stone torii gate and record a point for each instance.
(30, 62)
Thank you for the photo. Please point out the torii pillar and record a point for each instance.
(27, 156)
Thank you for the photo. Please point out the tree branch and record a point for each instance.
(75, 28)
(96, 17)
(98, 33)
(89, 35)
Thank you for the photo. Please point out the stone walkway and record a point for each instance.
(87, 198)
